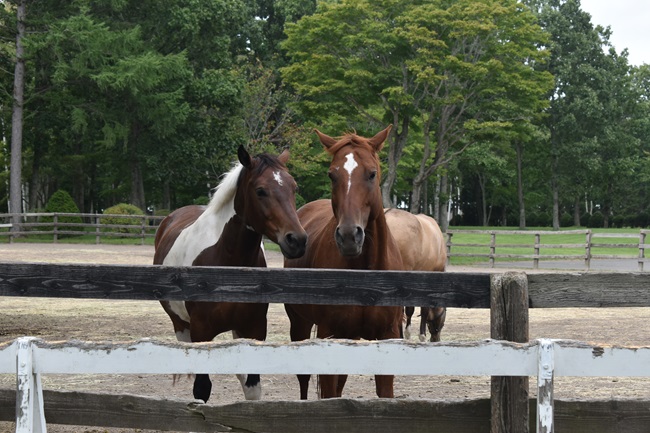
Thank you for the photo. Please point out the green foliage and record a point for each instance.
(203, 200)
(596, 220)
(123, 209)
(566, 220)
(62, 202)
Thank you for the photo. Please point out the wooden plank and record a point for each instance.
(589, 289)
(8, 357)
(397, 357)
(324, 416)
(574, 358)
(509, 321)
(364, 416)
(313, 286)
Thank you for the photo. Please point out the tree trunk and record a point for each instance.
(15, 193)
(394, 154)
(137, 181)
(555, 190)
(443, 215)
(576, 212)
(484, 215)
(416, 192)
(520, 187)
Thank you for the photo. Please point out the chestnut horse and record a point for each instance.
(256, 198)
(422, 246)
(348, 232)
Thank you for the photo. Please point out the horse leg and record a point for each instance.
(436, 321)
(407, 329)
(424, 317)
(340, 383)
(181, 327)
(251, 384)
(256, 329)
(384, 386)
(299, 330)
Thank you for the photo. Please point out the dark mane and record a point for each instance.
(264, 161)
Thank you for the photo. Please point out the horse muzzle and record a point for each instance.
(349, 240)
(293, 245)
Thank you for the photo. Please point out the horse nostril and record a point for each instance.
(358, 236)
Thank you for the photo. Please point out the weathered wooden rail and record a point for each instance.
(537, 246)
(508, 296)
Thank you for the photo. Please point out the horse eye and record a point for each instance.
(372, 176)
(261, 192)
(331, 176)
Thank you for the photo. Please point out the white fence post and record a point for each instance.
(30, 416)
(545, 372)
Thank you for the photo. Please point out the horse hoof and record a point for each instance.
(202, 387)
(423, 338)
(407, 333)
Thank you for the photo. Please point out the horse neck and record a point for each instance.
(240, 243)
(379, 241)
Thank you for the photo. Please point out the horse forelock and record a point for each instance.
(263, 161)
(349, 139)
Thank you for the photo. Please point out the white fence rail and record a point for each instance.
(29, 358)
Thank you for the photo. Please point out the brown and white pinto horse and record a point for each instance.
(348, 232)
(422, 246)
(256, 198)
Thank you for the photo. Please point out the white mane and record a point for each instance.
(208, 227)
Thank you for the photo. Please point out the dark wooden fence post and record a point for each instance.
(509, 321)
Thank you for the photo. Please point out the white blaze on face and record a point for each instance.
(349, 166)
(277, 177)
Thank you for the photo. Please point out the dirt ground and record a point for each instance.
(62, 319)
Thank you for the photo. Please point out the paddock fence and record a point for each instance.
(59, 225)
(634, 250)
(508, 357)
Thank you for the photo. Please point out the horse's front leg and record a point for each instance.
(329, 385)
(256, 329)
(300, 329)
(384, 386)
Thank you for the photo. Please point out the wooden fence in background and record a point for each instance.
(99, 225)
(507, 295)
(537, 246)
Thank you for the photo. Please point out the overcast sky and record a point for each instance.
(630, 24)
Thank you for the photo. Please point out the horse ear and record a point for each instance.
(284, 156)
(377, 142)
(325, 140)
(244, 156)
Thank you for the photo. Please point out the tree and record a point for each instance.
(15, 194)
(578, 63)
(429, 68)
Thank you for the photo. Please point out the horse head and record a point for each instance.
(356, 195)
(266, 201)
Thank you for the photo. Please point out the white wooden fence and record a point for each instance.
(29, 358)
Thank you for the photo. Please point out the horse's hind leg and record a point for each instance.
(407, 329)
(424, 316)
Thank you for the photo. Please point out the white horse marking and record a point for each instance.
(277, 177)
(349, 166)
